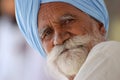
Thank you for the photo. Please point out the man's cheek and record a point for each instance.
(47, 47)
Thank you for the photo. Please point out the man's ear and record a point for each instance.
(102, 29)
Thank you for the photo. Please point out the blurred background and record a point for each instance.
(114, 13)
(20, 62)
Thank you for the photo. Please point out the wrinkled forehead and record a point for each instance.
(55, 8)
(56, 5)
(55, 11)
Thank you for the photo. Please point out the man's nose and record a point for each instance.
(61, 37)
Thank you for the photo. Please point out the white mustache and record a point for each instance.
(77, 41)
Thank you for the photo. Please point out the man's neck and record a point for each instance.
(71, 77)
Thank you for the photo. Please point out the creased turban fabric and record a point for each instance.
(27, 12)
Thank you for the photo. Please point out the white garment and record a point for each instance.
(103, 63)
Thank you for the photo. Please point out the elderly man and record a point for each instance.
(71, 34)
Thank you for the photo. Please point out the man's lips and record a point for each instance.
(65, 50)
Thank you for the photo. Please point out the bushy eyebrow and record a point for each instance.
(67, 16)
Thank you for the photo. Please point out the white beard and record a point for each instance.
(69, 62)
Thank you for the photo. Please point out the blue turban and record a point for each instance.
(27, 12)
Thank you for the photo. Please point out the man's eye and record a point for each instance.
(47, 34)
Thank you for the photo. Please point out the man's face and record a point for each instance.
(67, 36)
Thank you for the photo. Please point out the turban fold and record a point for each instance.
(27, 12)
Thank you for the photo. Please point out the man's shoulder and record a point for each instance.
(106, 48)
(102, 63)
(109, 44)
